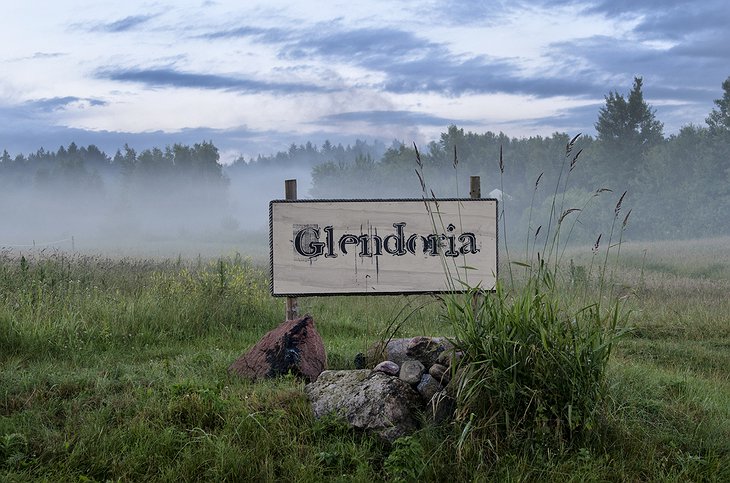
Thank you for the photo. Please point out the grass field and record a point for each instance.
(115, 369)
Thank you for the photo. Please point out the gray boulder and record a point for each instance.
(441, 373)
(392, 350)
(426, 349)
(370, 401)
(449, 357)
(428, 387)
(411, 372)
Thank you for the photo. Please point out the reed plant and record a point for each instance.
(534, 349)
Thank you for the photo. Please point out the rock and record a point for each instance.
(448, 357)
(411, 372)
(294, 346)
(441, 407)
(441, 373)
(428, 387)
(392, 350)
(371, 401)
(426, 349)
(388, 367)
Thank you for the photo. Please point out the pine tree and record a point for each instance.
(719, 119)
(627, 130)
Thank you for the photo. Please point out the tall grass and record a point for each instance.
(60, 304)
(160, 406)
(531, 368)
(534, 354)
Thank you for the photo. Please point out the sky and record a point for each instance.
(256, 76)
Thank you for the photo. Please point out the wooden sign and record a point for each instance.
(333, 247)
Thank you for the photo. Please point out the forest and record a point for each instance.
(678, 186)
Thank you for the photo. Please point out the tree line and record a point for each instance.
(678, 186)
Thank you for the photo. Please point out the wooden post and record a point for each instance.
(475, 189)
(292, 304)
(475, 192)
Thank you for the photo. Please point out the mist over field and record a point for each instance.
(174, 200)
(180, 199)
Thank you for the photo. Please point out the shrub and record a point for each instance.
(531, 367)
(534, 352)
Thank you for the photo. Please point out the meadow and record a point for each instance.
(115, 369)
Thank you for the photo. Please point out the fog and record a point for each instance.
(162, 202)
(630, 180)
(180, 200)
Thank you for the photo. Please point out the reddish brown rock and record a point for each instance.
(294, 346)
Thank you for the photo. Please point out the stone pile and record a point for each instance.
(413, 378)
(425, 364)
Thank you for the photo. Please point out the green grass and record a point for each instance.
(115, 369)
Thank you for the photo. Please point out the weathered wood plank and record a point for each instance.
(382, 246)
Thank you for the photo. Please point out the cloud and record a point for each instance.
(39, 56)
(389, 117)
(47, 55)
(570, 120)
(658, 19)
(368, 45)
(265, 35)
(410, 63)
(475, 12)
(711, 48)
(125, 24)
(168, 77)
(59, 103)
(680, 73)
(479, 76)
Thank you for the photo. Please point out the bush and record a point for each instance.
(531, 367)
(534, 355)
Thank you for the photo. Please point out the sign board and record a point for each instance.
(334, 247)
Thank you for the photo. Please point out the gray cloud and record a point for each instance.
(47, 55)
(265, 35)
(412, 63)
(659, 19)
(571, 120)
(168, 77)
(367, 45)
(24, 128)
(479, 75)
(125, 24)
(712, 48)
(390, 117)
(682, 73)
(56, 103)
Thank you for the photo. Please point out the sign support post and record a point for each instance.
(475, 188)
(475, 192)
(292, 304)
